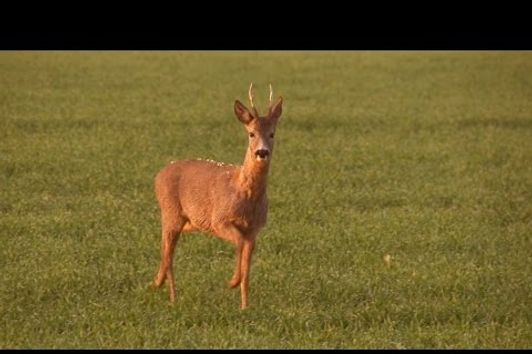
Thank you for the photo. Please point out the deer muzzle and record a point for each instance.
(262, 154)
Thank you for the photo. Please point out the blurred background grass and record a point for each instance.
(425, 156)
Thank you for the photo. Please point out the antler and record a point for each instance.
(250, 93)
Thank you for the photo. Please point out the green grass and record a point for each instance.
(426, 156)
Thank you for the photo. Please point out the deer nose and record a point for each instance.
(262, 153)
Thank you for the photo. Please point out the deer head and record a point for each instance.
(260, 129)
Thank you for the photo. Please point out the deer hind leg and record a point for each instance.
(169, 271)
(171, 228)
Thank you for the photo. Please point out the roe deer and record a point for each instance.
(227, 201)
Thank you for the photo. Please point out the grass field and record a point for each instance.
(425, 156)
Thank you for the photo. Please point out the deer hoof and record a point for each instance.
(233, 283)
(156, 284)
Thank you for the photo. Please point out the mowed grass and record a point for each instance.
(423, 156)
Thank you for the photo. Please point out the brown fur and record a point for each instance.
(227, 201)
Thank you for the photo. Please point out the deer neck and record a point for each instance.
(253, 176)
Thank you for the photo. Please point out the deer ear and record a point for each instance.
(242, 113)
(276, 109)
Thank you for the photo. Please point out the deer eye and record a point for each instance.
(251, 135)
(271, 135)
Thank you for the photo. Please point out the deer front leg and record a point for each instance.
(247, 250)
(232, 234)
(235, 280)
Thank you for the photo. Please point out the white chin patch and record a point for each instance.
(261, 158)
